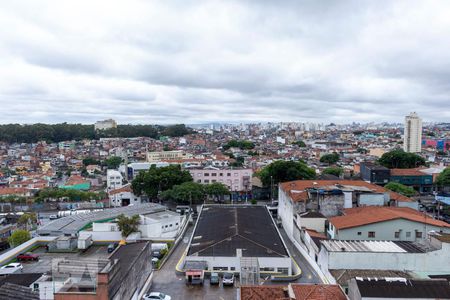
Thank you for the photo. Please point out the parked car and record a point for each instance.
(11, 268)
(214, 279)
(157, 254)
(154, 261)
(112, 246)
(228, 279)
(157, 296)
(28, 256)
(53, 217)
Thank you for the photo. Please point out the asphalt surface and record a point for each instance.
(308, 273)
(167, 281)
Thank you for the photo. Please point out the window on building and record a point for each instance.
(232, 268)
(359, 232)
(228, 174)
(371, 234)
(284, 271)
(220, 174)
(170, 225)
(206, 180)
(176, 224)
(397, 234)
(213, 174)
(418, 234)
(206, 174)
(213, 180)
(267, 269)
(220, 268)
(408, 234)
(199, 181)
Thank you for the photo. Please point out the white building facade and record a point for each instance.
(412, 138)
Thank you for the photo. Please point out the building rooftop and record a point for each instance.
(298, 190)
(263, 292)
(221, 230)
(372, 246)
(359, 216)
(404, 288)
(73, 224)
(317, 292)
(343, 276)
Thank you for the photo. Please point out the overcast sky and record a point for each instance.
(225, 61)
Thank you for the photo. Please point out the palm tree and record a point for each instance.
(128, 225)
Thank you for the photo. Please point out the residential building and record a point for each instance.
(105, 124)
(398, 288)
(384, 223)
(153, 157)
(114, 180)
(330, 198)
(237, 179)
(122, 276)
(225, 236)
(412, 136)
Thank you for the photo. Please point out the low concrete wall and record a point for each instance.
(12, 253)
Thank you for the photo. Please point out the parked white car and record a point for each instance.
(157, 296)
(11, 268)
(228, 279)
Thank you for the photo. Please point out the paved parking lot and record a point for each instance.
(45, 259)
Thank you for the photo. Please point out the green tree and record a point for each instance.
(238, 163)
(399, 159)
(27, 220)
(187, 192)
(301, 144)
(176, 130)
(443, 179)
(330, 159)
(128, 225)
(113, 162)
(19, 237)
(159, 179)
(90, 161)
(281, 171)
(401, 189)
(336, 171)
(243, 145)
(216, 190)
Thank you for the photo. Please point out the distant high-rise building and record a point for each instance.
(412, 138)
(105, 124)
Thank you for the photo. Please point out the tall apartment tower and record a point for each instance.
(412, 138)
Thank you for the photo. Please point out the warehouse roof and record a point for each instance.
(73, 224)
(372, 246)
(221, 230)
(403, 288)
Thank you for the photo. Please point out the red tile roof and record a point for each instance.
(317, 292)
(124, 189)
(407, 172)
(264, 292)
(297, 190)
(359, 216)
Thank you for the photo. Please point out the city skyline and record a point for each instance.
(240, 61)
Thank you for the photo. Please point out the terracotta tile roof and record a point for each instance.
(264, 292)
(75, 179)
(359, 216)
(317, 292)
(314, 233)
(12, 191)
(407, 172)
(297, 190)
(124, 189)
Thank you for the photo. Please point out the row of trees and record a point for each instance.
(241, 144)
(31, 133)
(47, 194)
(399, 159)
(281, 171)
(112, 162)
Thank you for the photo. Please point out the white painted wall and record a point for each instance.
(434, 261)
(285, 211)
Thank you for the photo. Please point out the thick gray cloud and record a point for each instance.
(201, 61)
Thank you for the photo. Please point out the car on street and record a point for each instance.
(28, 256)
(157, 296)
(214, 279)
(112, 246)
(228, 279)
(11, 268)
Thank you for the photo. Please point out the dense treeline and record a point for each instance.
(17, 133)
